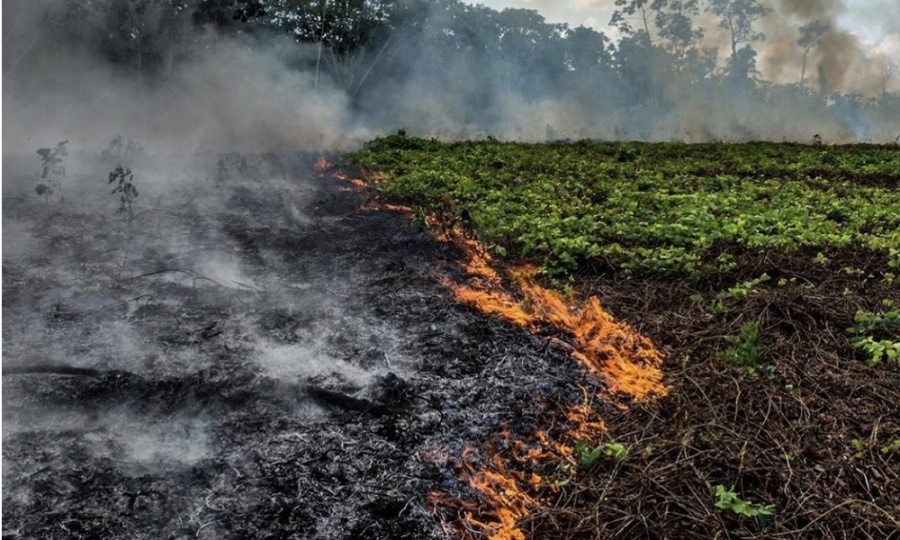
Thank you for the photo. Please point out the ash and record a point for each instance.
(250, 356)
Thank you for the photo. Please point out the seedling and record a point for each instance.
(891, 449)
(52, 169)
(124, 180)
(744, 289)
(872, 334)
(728, 499)
(743, 351)
(589, 456)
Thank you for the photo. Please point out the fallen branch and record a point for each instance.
(192, 273)
(51, 370)
(337, 399)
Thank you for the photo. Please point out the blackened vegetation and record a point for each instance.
(277, 366)
(52, 169)
(123, 179)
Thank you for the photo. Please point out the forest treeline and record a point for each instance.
(466, 61)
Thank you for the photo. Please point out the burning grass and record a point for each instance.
(508, 471)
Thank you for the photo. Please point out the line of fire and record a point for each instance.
(518, 476)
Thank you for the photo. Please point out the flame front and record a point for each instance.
(626, 361)
(507, 471)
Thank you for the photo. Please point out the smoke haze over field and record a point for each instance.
(193, 79)
(229, 95)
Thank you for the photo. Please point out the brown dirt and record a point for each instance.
(811, 439)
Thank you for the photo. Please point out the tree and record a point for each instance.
(644, 69)
(810, 35)
(530, 47)
(351, 36)
(634, 9)
(885, 73)
(587, 50)
(674, 22)
(741, 67)
(124, 180)
(737, 17)
(52, 169)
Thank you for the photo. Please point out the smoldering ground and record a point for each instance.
(213, 319)
(257, 357)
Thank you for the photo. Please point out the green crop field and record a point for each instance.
(767, 274)
(660, 208)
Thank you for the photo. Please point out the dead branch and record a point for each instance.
(51, 369)
(343, 401)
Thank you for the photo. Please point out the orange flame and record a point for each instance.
(626, 361)
(507, 474)
(321, 165)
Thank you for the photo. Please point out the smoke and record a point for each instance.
(226, 94)
(258, 91)
(846, 63)
(231, 97)
(811, 9)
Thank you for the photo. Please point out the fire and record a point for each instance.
(626, 361)
(508, 471)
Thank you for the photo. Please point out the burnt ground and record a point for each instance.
(250, 357)
(813, 432)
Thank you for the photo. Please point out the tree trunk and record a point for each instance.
(803, 70)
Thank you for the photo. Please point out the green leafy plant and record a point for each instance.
(589, 456)
(664, 209)
(878, 334)
(743, 351)
(744, 289)
(891, 449)
(728, 499)
(124, 180)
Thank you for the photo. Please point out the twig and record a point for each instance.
(825, 514)
(51, 369)
(192, 273)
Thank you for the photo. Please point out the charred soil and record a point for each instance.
(252, 358)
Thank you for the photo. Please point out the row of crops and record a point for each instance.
(667, 208)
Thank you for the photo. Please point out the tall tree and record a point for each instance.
(630, 10)
(885, 73)
(737, 17)
(741, 67)
(530, 47)
(644, 69)
(587, 51)
(675, 25)
(810, 34)
(351, 36)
